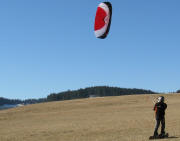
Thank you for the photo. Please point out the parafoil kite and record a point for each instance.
(103, 20)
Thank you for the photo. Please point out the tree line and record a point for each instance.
(18, 101)
(98, 91)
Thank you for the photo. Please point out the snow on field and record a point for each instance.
(7, 106)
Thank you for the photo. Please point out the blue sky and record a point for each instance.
(49, 46)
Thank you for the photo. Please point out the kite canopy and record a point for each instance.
(103, 20)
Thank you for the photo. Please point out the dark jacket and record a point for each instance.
(159, 109)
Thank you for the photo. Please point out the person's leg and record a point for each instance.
(156, 127)
(163, 126)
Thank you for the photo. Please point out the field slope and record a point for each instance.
(122, 118)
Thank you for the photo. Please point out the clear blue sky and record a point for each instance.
(49, 46)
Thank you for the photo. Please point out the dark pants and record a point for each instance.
(158, 121)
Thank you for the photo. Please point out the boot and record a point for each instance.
(155, 134)
(162, 134)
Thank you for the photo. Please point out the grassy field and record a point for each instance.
(123, 118)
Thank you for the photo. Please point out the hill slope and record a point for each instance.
(122, 118)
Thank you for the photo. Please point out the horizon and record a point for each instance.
(94, 87)
(49, 47)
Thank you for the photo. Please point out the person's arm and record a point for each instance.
(154, 107)
(165, 106)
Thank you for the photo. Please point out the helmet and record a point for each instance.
(160, 99)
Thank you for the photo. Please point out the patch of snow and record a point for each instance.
(7, 106)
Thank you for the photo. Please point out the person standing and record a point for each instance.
(159, 109)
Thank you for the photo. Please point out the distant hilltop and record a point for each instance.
(98, 91)
(89, 92)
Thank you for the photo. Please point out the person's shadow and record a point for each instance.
(170, 137)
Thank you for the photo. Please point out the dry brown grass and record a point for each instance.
(123, 118)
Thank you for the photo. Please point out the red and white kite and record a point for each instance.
(103, 20)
